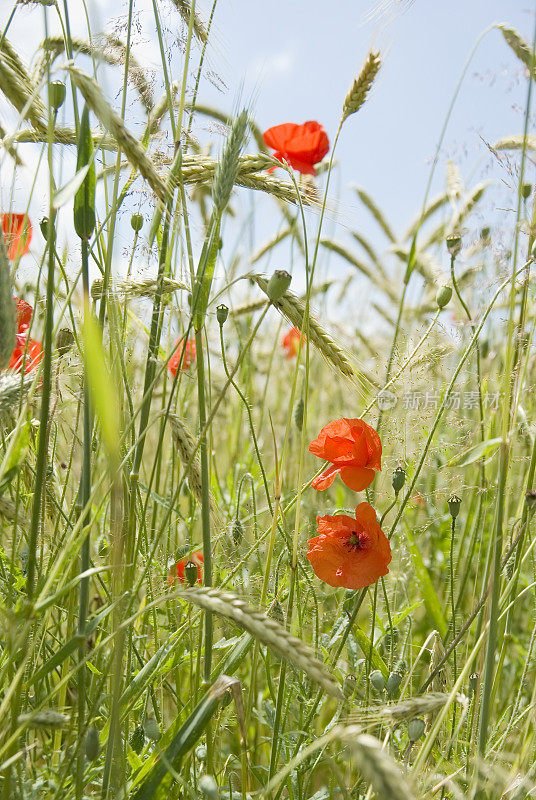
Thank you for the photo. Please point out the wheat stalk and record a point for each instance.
(361, 86)
(147, 288)
(520, 47)
(16, 85)
(406, 709)
(294, 310)
(265, 630)
(226, 171)
(184, 9)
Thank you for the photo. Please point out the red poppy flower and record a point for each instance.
(188, 358)
(24, 314)
(197, 559)
(354, 449)
(291, 341)
(350, 552)
(30, 355)
(17, 230)
(302, 146)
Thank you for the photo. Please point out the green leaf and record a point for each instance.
(101, 386)
(431, 600)
(19, 441)
(63, 195)
(473, 454)
(377, 660)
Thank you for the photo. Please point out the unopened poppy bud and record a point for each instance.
(349, 686)
(136, 222)
(190, 573)
(137, 740)
(377, 680)
(398, 479)
(91, 743)
(222, 312)
(43, 225)
(484, 348)
(151, 729)
(454, 244)
(56, 94)
(393, 683)
(526, 189)
(530, 498)
(278, 285)
(401, 667)
(443, 296)
(415, 729)
(390, 640)
(64, 341)
(454, 504)
(209, 787)
(238, 531)
(201, 753)
(473, 681)
(298, 413)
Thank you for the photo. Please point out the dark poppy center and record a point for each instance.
(354, 541)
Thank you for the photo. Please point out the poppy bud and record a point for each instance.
(393, 683)
(137, 740)
(84, 199)
(201, 753)
(401, 667)
(91, 743)
(64, 341)
(298, 413)
(454, 244)
(398, 479)
(222, 312)
(377, 680)
(443, 296)
(190, 573)
(151, 729)
(390, 640)
(485, 234)
(454, 504)
(278, 285)
(238, 531)
(136, 222)
(526, 189)
(484, 348)
(56, 94)
(473, 680)
(209, 787)
(349, 686)
(43, 225)
(415, 729)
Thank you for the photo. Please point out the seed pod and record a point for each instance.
(415, 729)
(91, 743)
(222, 312)
(136, 222)
(401, 667)
(454, 244)
(443, 296)
(209, 787)
(150, 725)
(349, 685)
(56, 94)
(399, 479)
(454, 504)
(137, 740)
(84, 199)
(201, 753)
(190, 575)
(64, 341)
(298, 413)
(377, 680)
(393, 684)
(526, 189)
(390, 640)
(278, 285)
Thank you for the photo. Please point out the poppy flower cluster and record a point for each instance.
(27, 352)
(180, 361)
(350, 552)
(301, 146)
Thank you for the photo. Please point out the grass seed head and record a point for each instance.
(362, 84)
(227, 169)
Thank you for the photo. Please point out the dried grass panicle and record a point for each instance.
(379, 769)
(113, 123)
(520, 47)
(145, 288)
(12, 387)
(227, 169)
(267, 631)
(17, 86)
(8, 321)
(294, 310)
(361, 86)
(406, 709)
(185, 10)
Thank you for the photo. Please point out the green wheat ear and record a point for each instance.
(7, 310)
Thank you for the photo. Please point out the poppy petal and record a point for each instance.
(325, 480)
(357, 478)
